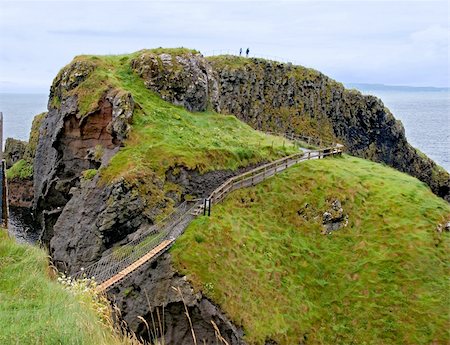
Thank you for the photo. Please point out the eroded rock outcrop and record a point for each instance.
(185, 80)
(71, 143)
(105, 215)
(334, 218)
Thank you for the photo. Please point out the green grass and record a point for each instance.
(230, 61)
(89, 174)
(21, 170)
(35, 309)
(34, 137)
(381, 280)
(165, 136)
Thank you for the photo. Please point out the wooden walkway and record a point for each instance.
(162, 247)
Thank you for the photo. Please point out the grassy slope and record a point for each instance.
(381, 280)
(21, 169)
(164, 135)
(34, 309)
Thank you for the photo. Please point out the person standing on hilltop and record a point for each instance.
(240, 52)
(247, 51)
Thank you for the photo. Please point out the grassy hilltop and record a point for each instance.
(383, 279)
(164, 135)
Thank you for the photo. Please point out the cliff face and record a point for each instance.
(185, 80)
(89, 119)
(70, 143)
(288, 98)
(273, 96)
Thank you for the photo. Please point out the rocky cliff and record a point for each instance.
(281, 97)
(70, 143)
(94, 108)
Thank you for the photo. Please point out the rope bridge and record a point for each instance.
(122, 257)
(122, 261)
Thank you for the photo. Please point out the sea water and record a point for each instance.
(18, 113)
(426, 118)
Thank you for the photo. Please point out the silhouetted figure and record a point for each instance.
(240, 52)
(247, 51)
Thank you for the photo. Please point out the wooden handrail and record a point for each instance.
(283, 163)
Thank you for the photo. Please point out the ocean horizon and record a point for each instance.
(424, 114)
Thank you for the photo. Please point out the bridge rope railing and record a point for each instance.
(124, 256)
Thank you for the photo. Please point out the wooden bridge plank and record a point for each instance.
(119, 276)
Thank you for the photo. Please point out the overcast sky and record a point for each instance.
(388, 42)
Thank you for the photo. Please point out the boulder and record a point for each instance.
(335, 218)
(14, 151)
(185, 80)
